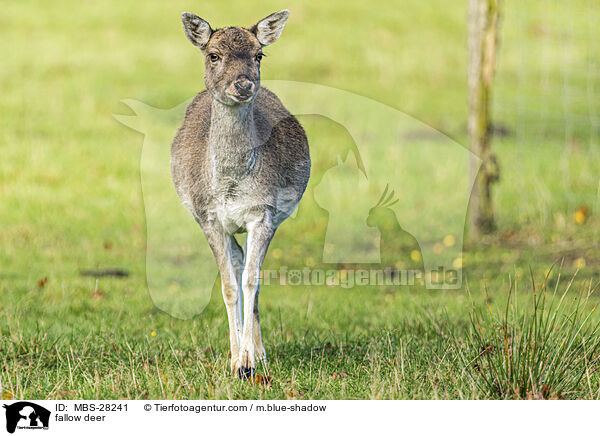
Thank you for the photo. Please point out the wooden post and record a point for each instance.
(482, 43)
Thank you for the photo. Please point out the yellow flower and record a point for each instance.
(457, 263)
(581, 214)
(153, 334)
(277, 253)
(449, 240)
(415, 255)
(579, 263)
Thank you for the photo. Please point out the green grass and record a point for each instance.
(544, 350)
(70, 200)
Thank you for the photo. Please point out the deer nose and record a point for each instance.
(244, 85)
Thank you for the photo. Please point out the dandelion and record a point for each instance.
(153, 334)
(415, 255)
(449, 240)
(581, 215)
(457, 263)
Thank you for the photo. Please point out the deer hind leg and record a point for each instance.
(237, 257)
(259, 349)
(260, 234)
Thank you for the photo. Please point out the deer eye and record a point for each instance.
(213, 57)
(259, 57)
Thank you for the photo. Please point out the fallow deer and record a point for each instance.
(240, 163)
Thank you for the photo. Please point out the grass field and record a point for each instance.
(71, 200)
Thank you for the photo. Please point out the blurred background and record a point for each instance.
(70, 194)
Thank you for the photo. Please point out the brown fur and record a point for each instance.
(285, 159)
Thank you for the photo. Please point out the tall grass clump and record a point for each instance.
(544, 349)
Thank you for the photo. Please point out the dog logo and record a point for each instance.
(26, 415)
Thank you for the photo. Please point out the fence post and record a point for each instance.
(483, 17)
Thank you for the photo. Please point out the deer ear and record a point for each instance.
(268, 30)
(196, 29)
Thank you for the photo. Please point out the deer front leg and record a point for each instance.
(238, 262)
(225, 252)
(259, 349)
(260, 234)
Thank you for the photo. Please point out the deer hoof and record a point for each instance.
(245, 364)
(246, 372)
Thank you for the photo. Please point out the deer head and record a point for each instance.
(232, 55)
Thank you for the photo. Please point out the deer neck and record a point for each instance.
(232, 140)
